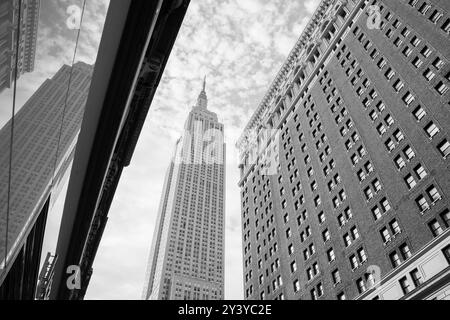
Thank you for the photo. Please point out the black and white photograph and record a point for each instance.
(224, 155)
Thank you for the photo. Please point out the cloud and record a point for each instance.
(311, 5)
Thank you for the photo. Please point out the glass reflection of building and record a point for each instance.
(44, 138)
(9, 29)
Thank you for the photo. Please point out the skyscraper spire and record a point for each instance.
(202, 100)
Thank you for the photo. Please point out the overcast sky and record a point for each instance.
(240, 45)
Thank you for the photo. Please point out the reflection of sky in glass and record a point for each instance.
(57, 45)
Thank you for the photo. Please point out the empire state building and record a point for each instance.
(187, 253)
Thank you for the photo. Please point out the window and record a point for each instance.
(321, 217)
(368, 193)
(422, 203)
(420, 171)
(428, 74)
(336, 277)
(438, 63)
(309, 274)
(313, 294)
(409, 153)
(404, 249)
(419, 113)
(446, 252)
(353, 262)
(446, 26)
(405, 32)
(415, 41)
(288, 233)
(389, 73)
(296, 286)
(317, 201)
(390, 145)
(330, 255)
(290, 249)
(445, 216)
(360, 283)
(399, 162)
(316, 268)
(370, 279)
(389, 33)
(381, 129)
(408, 98)
(426, 52)
(381, 63)
(424, 8)
(312, 249)
(407, 51)
(389, 120)
(306, 254)
(444, 148)
(395, 227)
(326, 235)
(362, 255)
(417, 62)
(398, 85)
(433, 193)
(410, 182)
(385, 205)
(341, 220)
(385, 235)
(347, 240)
(435, 16)
(404, 284)
(435, 227)
(395, 259)
(398, 135)
(320, 289)
(416, 277)
(441, 88)
(376, 212)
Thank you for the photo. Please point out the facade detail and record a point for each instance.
(359, 117)
(187, 254)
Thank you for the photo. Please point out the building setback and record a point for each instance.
(187, 253)
(44, 139)
(357, 206)
(9, 29)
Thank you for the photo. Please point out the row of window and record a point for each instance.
(431, 129)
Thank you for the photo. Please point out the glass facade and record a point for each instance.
(47, 55)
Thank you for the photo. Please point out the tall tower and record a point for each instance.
(187, 253)
(357, 204)
(44, 139)
(9, 30)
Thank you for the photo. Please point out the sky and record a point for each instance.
(239, 45)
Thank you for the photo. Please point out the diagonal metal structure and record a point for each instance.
(137, 40)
